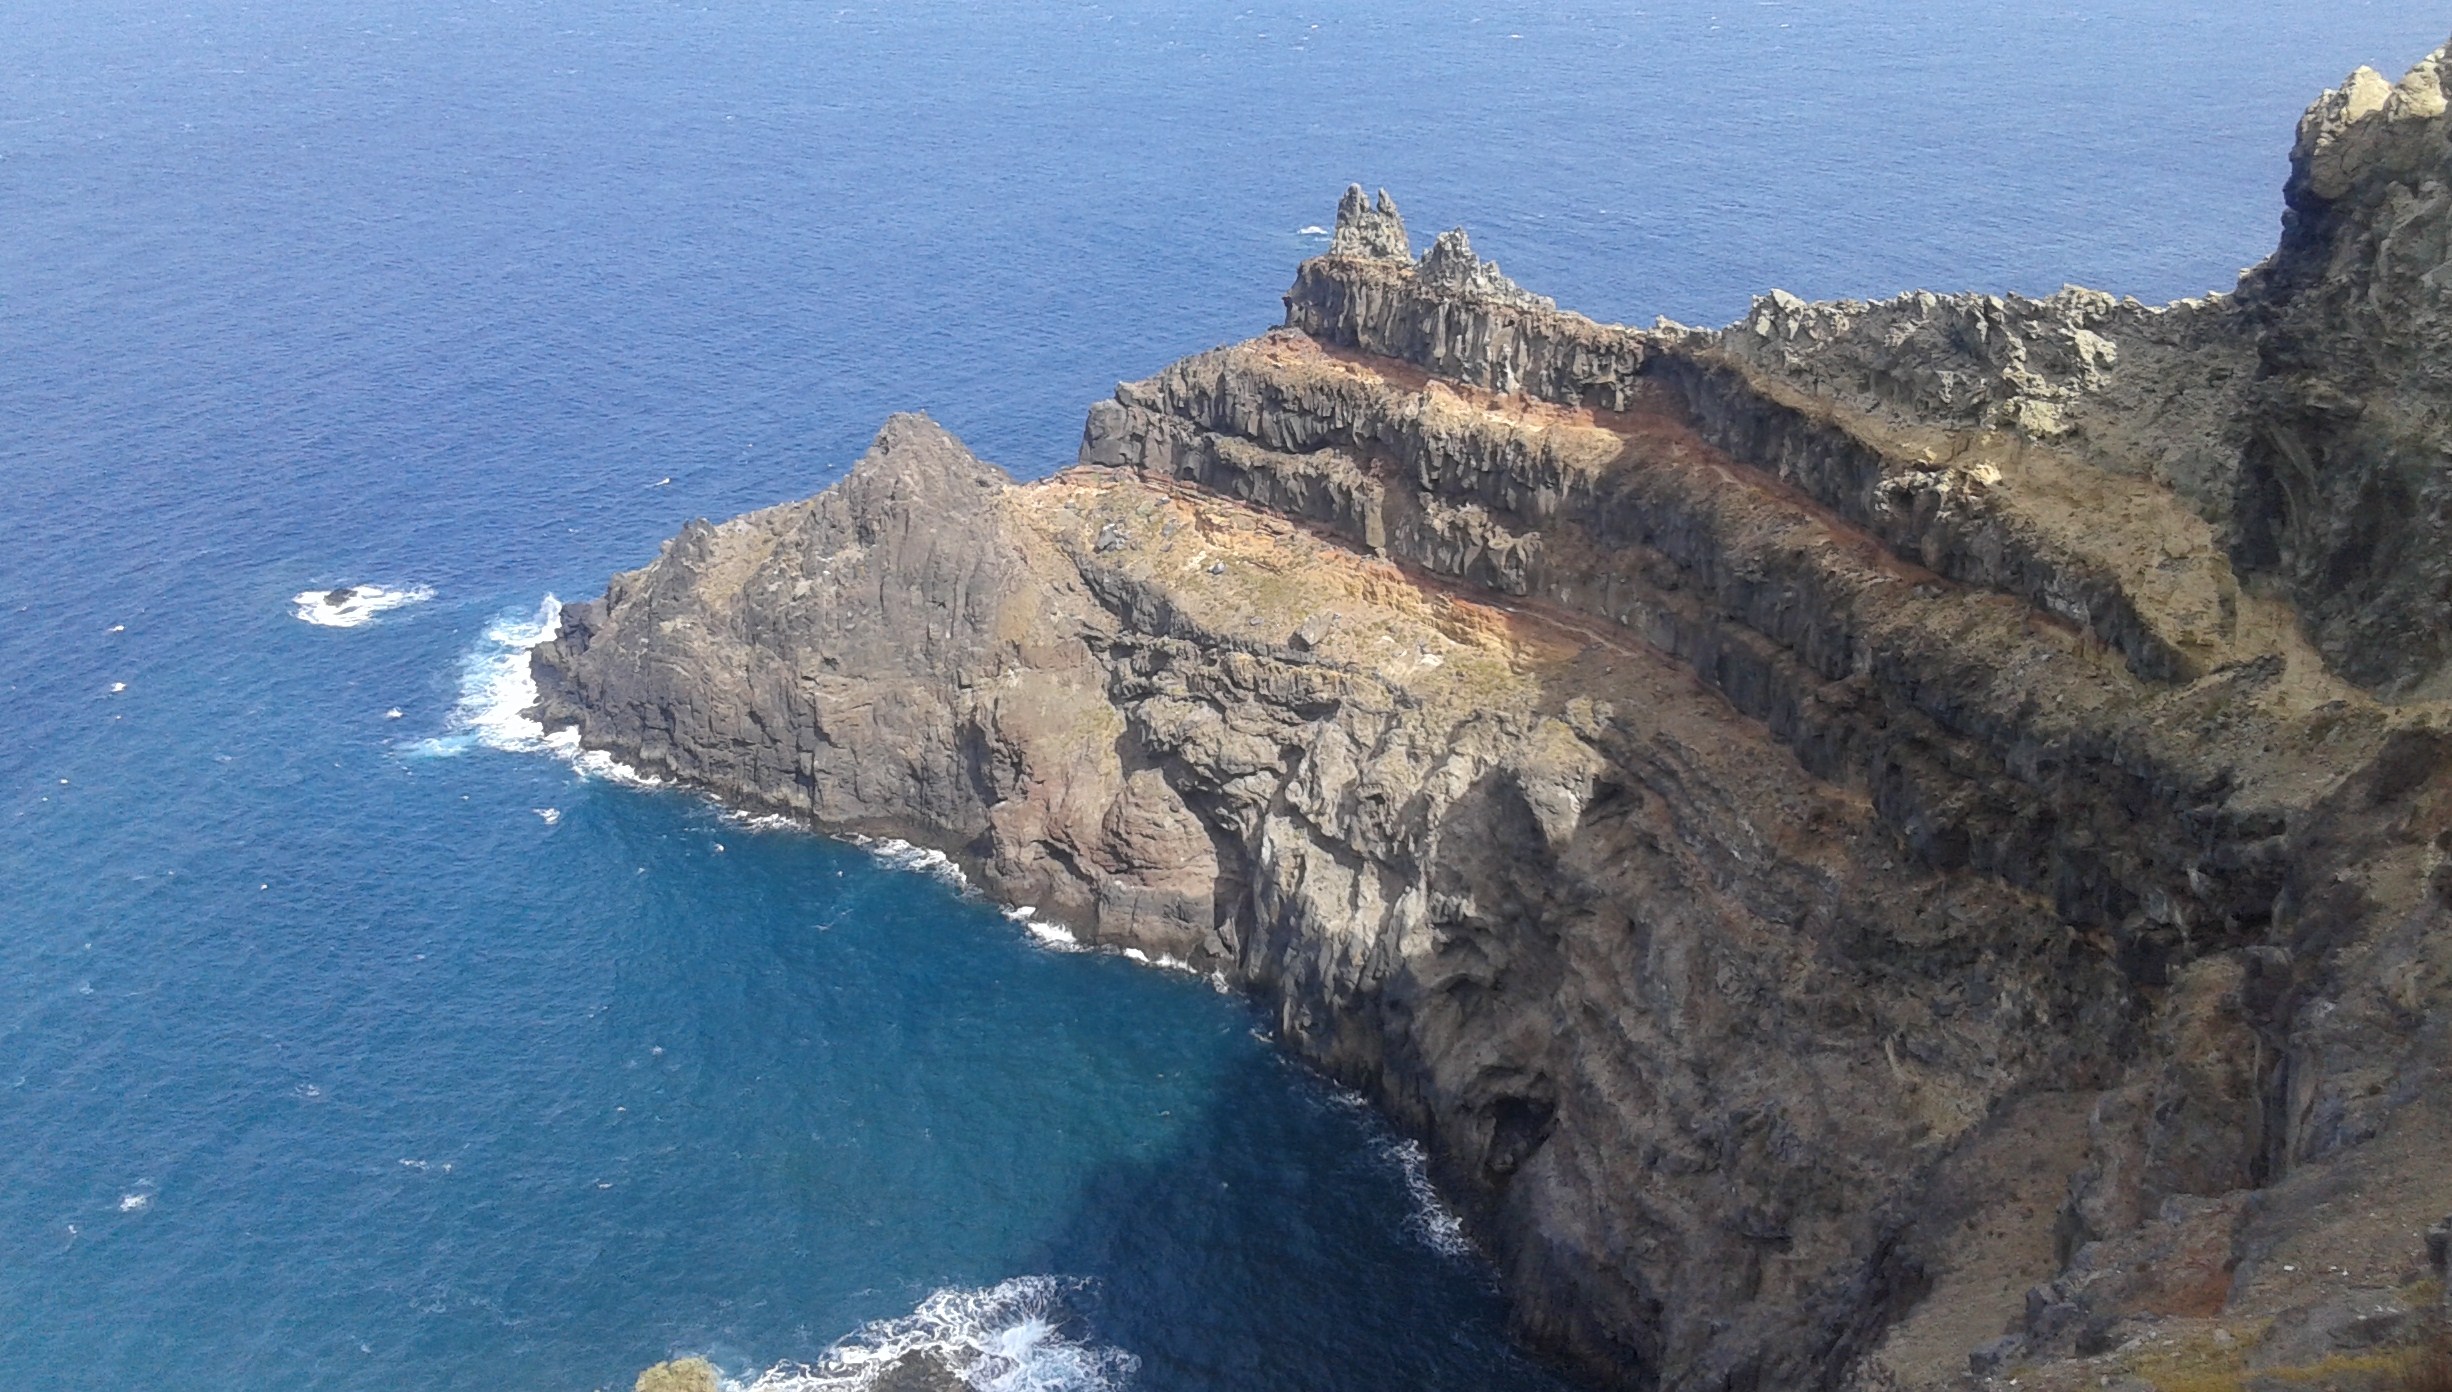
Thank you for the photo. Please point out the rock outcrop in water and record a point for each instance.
(1886, 843)
(680, 1375)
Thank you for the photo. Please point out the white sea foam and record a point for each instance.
(497, 687)
(760, 821)
(1047, 934)
(497, 690)
(1010, 1337)
(354, 606)
(1431, 1220)
(1139, 957)
(137, 1202)
(1051, 935)
(1428, 1220)
(902, 855)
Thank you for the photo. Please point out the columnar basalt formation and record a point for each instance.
(1890, 842)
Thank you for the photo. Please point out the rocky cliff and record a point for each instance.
(1890, 842)
(2345, 477)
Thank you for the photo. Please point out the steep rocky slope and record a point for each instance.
(1887, 842)
(2344, 480)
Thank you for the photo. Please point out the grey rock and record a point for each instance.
(1451, 267)
(917, 1372)
(2345, 488)
(2344, 1322)
(1995, 1356)
(1746, 769)
(1374, 232)
(2130, 390)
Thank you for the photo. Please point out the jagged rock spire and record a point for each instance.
(2368, 125)
(1375, 233)
(1451, 265)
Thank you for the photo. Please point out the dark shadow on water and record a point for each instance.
(1273, 1249)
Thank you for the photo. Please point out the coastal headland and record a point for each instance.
(1893, 843)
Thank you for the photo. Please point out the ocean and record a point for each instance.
(350, 1037)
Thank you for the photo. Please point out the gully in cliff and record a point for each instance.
(1889, 843)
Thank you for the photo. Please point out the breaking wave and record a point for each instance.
(902, 855)
(761, 821)
(1010, 1337)
(354, 606)
(1164, 961)
(498, 689)
(1055, 937)
(1045, 932)
(1430, 1219)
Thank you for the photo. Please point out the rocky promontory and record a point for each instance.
(1889, 843)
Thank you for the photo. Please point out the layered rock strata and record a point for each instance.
(1886, 843)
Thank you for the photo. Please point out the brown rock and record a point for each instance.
(680, 1375)
(1818, 823)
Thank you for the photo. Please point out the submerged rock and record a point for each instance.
(1884, 839)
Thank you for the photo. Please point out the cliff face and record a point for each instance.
(2344, 480)
(1824, 826)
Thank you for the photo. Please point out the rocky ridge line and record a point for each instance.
(1876, 845)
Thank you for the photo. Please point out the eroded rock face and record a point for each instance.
(2128, 389)
(2346, 487)
(1371, 231)
(1451, 267)
(908, 653)
(1811, 822)
(1430, 828)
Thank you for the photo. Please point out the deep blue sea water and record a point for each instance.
(328, 1059)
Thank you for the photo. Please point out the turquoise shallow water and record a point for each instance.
(328, 1060)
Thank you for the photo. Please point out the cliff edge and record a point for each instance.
(1896, 843)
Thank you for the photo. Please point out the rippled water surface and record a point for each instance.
(342, 1046)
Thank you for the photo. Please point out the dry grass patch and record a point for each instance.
(2426, 1368)
(2201, 1366)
